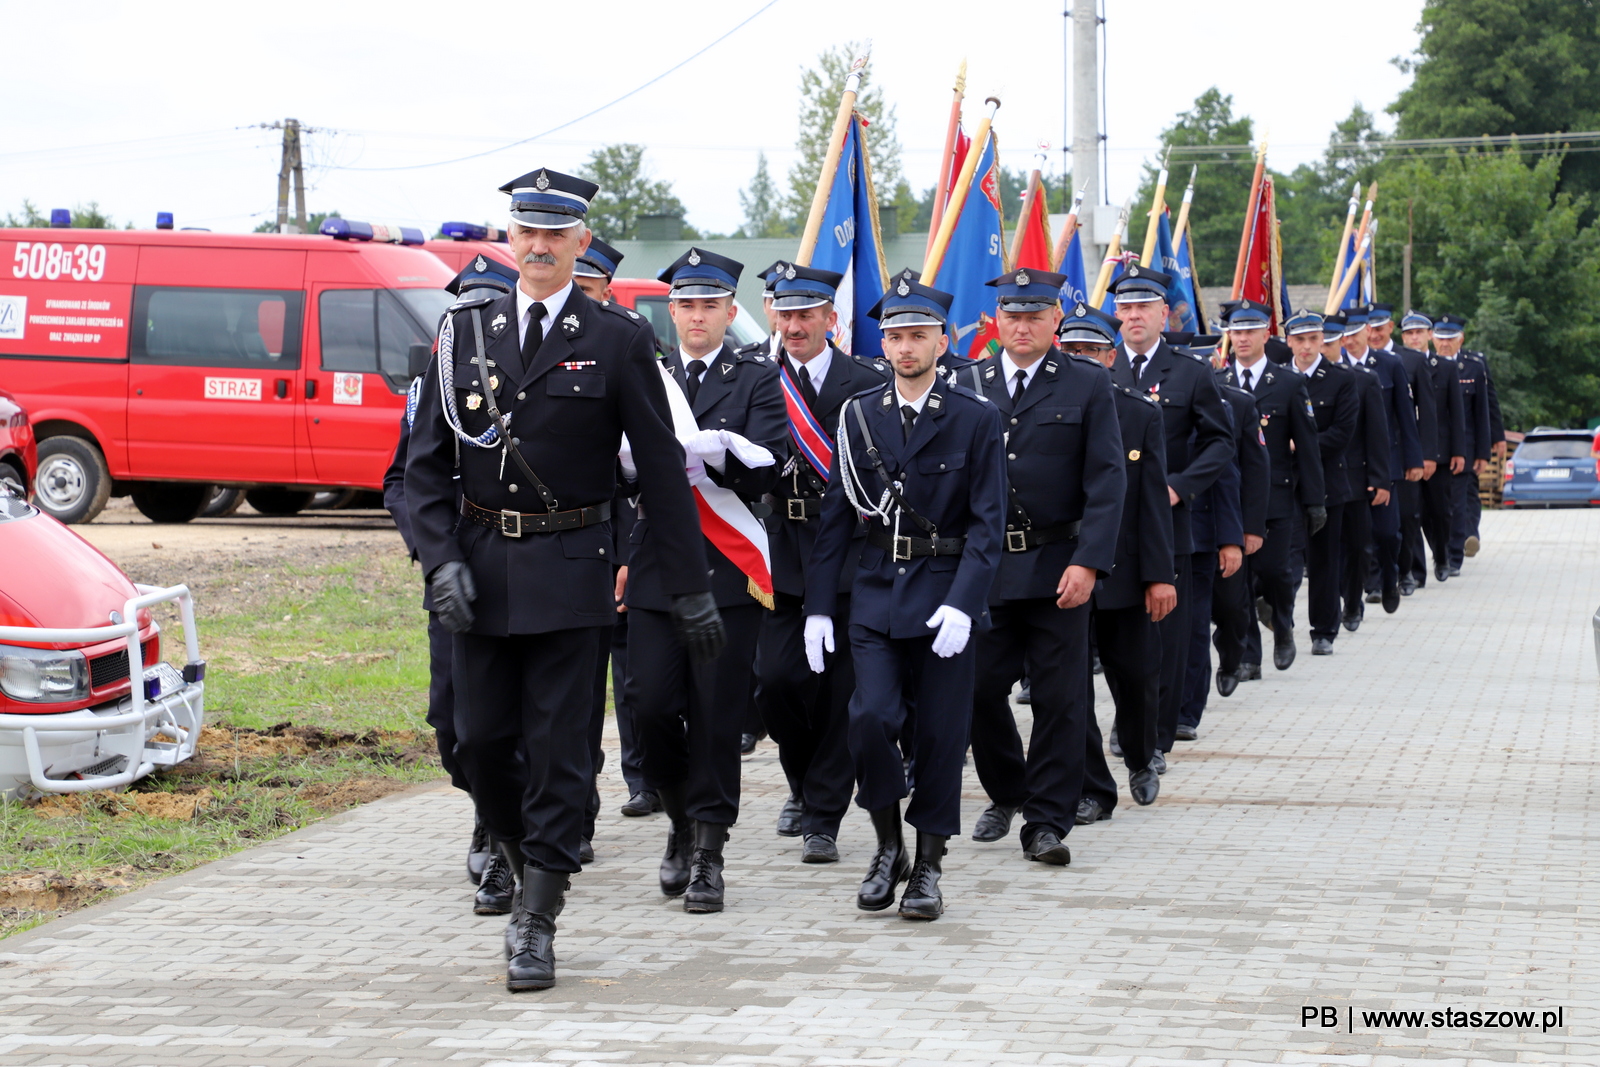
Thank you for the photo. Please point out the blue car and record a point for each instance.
(1553, 469)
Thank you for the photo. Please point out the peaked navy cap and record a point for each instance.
(1027, 289)
(549, 200)
(909, 303)
(599, 260)
(1088, 325)
(701, 274)
(483, 272)
(798, 288)
(1141, 285)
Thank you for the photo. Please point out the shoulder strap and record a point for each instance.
(888, 483)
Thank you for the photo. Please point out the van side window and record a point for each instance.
(370, 331)
(253, 328)
(654, 308)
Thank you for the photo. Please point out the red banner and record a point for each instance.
(1262, 270)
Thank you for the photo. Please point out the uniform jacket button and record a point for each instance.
(1013, 422)
(1011, 455)
(512, 487)
(522, 396)
(902, 570)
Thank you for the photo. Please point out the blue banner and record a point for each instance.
(1180, 294)
(976, 253)
(1076, 290)
(850, 244)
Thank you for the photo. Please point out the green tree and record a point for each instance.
(626, 192)
(763, 216)
(821, 86)
(31, 217)
(1313, 199)
(1506, 66)
(1497, 241)
(313, 222)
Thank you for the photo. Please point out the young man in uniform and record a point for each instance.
(1478, 440)
(924, 460)
(1416, 329)
(527, 405)
(1408, 491)
(1064, 505)
(689, 715)
(1231, 597)
(807, 715)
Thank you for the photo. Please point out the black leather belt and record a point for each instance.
(517, 523)
(802, 509)
(912, 547)
(1025, 540)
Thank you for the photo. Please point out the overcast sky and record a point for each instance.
(152, 107)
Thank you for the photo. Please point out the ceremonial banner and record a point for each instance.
(1076, 289)
(1185, 257)
(1181, 304)
(975, 254)
(1262, 280)
(851, 244)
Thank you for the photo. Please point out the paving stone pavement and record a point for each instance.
(1399, 826)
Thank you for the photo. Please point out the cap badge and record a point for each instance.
(542, 182)
(1133, 272)
(1023, 279)
(473, 401)
(789, 274)
(694, 257)
(1080, 312)
(904, 289)
(479, 265)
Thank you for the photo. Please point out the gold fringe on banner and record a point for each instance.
(764, 599)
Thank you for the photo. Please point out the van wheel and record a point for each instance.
(224, 502)
(73, 483)
(278, 501)
(171, 501)
(12, 481)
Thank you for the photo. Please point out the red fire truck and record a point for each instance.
(164, 363)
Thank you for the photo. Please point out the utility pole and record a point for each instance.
(1086, 122)
(290, 167)
(1405, 266)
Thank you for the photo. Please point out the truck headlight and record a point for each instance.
(43, 675)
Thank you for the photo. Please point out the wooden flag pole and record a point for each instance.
(945, 164)
(1344, 241)
(1157, 202)
(1113, 250)
(1249, 220)
(1355, 264)
(1035, 190)
(1068, 228)
(1344, 286)
(958, 195)
(1183, 213)
(830, 162)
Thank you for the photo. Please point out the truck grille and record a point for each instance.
(108, 669)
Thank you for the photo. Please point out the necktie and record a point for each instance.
(807, 390)
(908, 419)
(1249, 382)
(1019, 383)
(535, 335)
(1138, 366)
(697, 367)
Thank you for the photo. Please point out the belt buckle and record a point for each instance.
(898, 541)
(1016, 540)
(797, 508)
(510, 522)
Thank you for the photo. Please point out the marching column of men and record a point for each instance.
(935, 531)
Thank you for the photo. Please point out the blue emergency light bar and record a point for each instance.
(468, 231)
(350, 230)
(163, 220)
(60, 216)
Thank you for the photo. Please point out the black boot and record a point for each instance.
(680, 842)
(533, 956)
(705, 869)
(889, 864)
(497, 889)
(922, 899)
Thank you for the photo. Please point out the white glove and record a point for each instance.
(954, 629)
(819, 638)
(746, 451)
(708, 446)
(625, 457)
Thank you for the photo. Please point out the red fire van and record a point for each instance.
(161, 364)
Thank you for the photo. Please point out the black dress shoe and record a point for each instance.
(1408, 585)
(747, 744)
(585, 852)
(1145, 786)
(1047, 848)
(1249, 672)
(1115, 742)
(496, 889)
(1090, 811)
(1455, 570)
(1352, 621)
(1185, 732)
(1322, 646)
(642, 803)
(922, 900)
(994, 823)
(680, 844)
(1441, 571)
(1470, 548)
(1226, 683)
(1263, 611)
(1391, 599)
(1158, 763)
(889, 866)
(1094, 663)
(1026, 694)
(478, 851)
(789, 817)
(819, 848)
(533, 950)
(1374, 598)
(1283, 651)
(705, 890)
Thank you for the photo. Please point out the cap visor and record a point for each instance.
(588, 270)
(1138, 296)
(1020, 306)
(697, 291)
(909, 318)
(798, 301)
(1087, 337)
(1230, 327)
(544, 220)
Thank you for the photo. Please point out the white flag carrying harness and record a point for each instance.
(724, 518)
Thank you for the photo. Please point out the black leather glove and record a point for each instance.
(1316, 519)
(453, 594)
(699, 625)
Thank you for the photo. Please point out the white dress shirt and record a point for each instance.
(686, 359)
(1012, 370)
(1250, 377)
(817, 368)
(552, 304)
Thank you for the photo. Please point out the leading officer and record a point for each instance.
(924, 460)
(527, 405)
(1065, 480)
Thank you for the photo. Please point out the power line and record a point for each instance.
(573, 122)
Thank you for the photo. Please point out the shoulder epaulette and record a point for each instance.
(473, 300)
(622, 312)
(1146, 397)
(1085, 359)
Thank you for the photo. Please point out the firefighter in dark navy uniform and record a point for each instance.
(924, 460)
(1065, 482)
(1450, 447)
(527, 405)
(805, 714)
(689, 717)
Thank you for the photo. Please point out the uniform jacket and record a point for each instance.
(1405, 443)
(792, 540)
(738, 393)
(1144, 543)
(1444, 381)
(1255, 477)
(1283, 411)
(1416, 367)
(952, 470)
(394, 488)
(1473, 376)
(594, 379)
(1199, 443)
(1367, 457)
(1497, 428)
(1337, 410)
(1063, 464)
